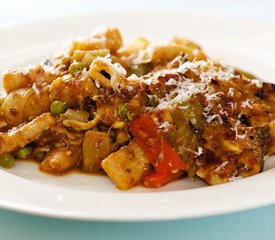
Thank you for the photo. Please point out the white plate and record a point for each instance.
(243, 43)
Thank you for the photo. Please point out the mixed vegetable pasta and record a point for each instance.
(145, 113)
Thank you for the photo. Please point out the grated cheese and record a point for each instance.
(165, 126)
(235, 129)
(222, 111)
(246, 104)
(257, 82)
(35, 88)
(200, 151)
(217, 169)
(231, 92)
(97, 83)
(212, 117)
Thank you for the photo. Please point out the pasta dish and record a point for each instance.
(145, 113)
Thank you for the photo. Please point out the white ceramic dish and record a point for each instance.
(243, 43)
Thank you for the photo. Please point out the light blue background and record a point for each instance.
(254, 224)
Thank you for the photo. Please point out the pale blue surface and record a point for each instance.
(254, 224)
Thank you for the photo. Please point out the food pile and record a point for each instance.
(145, 113)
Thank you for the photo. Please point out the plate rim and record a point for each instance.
(35, 210)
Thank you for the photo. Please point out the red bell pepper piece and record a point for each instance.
(157, 179)
(158, 150)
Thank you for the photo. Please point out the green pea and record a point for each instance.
(6, 160)
(76, 67)
(23, 152)
(58, 107)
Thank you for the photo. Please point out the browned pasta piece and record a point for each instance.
(132, 50)
(71, 90)
(61, 159)
(106, 74)
(24, 104)
(21, 136)
(84, 56)
(14, 80)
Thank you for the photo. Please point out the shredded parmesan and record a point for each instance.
(235, 129)
(130, 88)
(246, 104)
(212, 117)
(200, 151)
(231, 92)
(97, 83)
(257, 82)
(35, 88)
(165, 126)
(217, 169)
(222, 111)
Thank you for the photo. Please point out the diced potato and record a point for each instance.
(126, 166)
(61, 159)
(96, 147)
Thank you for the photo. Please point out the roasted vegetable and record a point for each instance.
(126, 166)
(19, 137)
(158, 150)
(96, 147)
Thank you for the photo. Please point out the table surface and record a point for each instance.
(253, 224)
